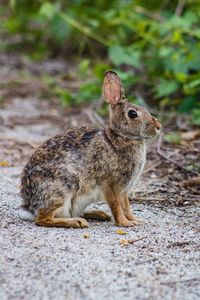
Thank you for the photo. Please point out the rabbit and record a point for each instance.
(86, 165)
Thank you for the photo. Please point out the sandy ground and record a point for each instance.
(51, 263)
(161, 262)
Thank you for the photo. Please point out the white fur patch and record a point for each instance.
(64, 210)
(24, 214)
(138, 170)
(81, 202)
(94, 196)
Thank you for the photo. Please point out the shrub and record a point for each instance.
(155, 45)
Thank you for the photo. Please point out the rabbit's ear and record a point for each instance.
(113, 91)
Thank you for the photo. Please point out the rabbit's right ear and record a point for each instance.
(113, 91)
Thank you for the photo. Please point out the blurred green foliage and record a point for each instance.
(172, 138)
(154, 45)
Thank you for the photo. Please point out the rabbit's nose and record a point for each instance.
(157, 124)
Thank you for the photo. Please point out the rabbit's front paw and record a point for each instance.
(136, 220)
(125, 222)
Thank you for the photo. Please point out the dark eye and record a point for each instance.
(132, 114)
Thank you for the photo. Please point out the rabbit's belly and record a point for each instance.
(75, 207)
(95, 195)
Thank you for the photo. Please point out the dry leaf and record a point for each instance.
(190, 135)
(86, 235)
(120, 231)
(124, 242)
(192, 182)
(4, 164)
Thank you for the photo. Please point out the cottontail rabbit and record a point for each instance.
(86, 165)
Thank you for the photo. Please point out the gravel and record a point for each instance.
(57, 263)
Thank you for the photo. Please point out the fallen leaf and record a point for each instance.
(190, 135)
(86, 235)
(4, 164)
(124, 242)
(192, 182)
(120, 231)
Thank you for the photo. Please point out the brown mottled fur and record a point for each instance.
(86, 165)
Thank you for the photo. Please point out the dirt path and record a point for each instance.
(161, 262)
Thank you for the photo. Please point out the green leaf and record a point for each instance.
(176, 36)
(121, 55)
(59, 30)
(165, 88)
(84, 67)
(165, 51)
(193, 83)
(47, 10)
(196, 116)
(88, 92)
(64, 95)
(100, 68)
(187, 104)
(173, 138)
(181, 77)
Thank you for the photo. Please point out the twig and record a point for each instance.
(21, 143)
(97, 104)
(141, 100)
(84, 29)
(140, 194)
(178, 244)
(148, 199)
(179, 8)
(125, 242)
(139, 239)
(160, 153)
(151, 168)
(149, 14)
(180, 281)
(94, 117)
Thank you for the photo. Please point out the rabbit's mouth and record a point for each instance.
(151, 130)
(154, 135)
(157, 131)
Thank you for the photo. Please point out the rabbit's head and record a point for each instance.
(125, 118)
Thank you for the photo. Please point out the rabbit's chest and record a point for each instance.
(135, 170)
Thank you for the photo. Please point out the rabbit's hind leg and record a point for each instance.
(98, 215)
(49, 219)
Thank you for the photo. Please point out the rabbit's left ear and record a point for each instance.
(113, 91)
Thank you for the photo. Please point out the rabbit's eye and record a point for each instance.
(132, 114)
